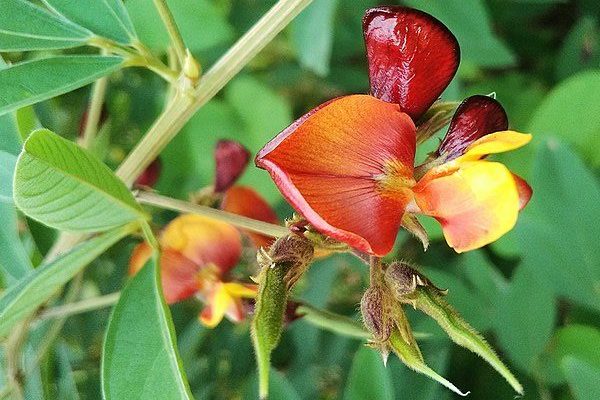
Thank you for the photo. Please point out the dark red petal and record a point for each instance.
(476, 117)
(247, 202)
(332, 163)
(412, 57)
(150, 175)
(231, 159)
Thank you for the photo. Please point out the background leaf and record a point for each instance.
(140, 358)
(33, 81)
(65, 187)
(7, 170)
(106, 18)
(25, 26)
(313, 35)
(368, 378)
(37, 287)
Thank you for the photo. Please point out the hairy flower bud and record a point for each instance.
(375, 311)
(293, 251)
(403, 280)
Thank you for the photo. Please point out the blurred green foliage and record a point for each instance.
(535, 294)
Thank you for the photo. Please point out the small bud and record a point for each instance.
(403, 280)
(294, 251)
(375, 313)
(231, 159)
(191, 67)
(150, 175)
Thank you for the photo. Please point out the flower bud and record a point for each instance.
(403, 280)
(376, 313)
(293, 251)
(231, 159)
(150, 175)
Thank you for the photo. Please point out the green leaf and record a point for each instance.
(7, 170)
(201, 23)
(560, 226)
(65, 187)
(579, 50)
(106, 18)
(140, 359)
(525, 318)
(572, 113)
(33, 81)
(470, 22)
(37, 287)
(368, 378)
(25, 26)
(583, 378)
(14, 263)
(313, 35)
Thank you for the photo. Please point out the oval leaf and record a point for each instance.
(33, 81)
(65, 187)
(368, 378)
(140, 359)
(37, 287)
(107, 18)
(25, 26)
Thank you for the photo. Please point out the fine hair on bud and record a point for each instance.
(293, 251)
(376, 313)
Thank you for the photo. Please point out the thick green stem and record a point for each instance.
(172, 29)
(175, 117)
(94, 112)
(250, 224)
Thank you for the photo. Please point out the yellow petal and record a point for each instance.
(241, 290)
(498, 142)
(476, 204)
(218, 302)
(203, 240)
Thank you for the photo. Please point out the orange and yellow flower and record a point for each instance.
(348, 165)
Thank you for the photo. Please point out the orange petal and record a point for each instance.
(475, 203)
(331, 163)
(245, 201)
(498, 142)
(139, 256)
(179, 276)
(203, 241)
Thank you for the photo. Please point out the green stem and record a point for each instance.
(250, 224)
(93, 303)
(94, 112)
(172, 29)
(332, 322)
(174, 118)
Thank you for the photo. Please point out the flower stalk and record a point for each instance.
(172, 29)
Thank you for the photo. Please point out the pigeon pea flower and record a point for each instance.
(348, 165)
(197, 255)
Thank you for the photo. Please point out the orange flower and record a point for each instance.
(348, 165)
(197, 255)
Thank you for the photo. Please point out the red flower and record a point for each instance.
(348, 165)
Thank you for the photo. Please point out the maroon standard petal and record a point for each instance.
(231, 159)
(476, 117)
(412, 57)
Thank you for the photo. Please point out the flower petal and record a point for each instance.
(245, 201)
(476, 117)
(217, 304)
(498, 142)
(231, 159)
(203, 241)
(139, 257)
(179, 276)
(475, 203)
(412, 57)
(330, 163)
(525, 191)
(241, 290)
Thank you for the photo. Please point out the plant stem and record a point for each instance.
(375, 270)
(94, 112)
(175, 117)
(172, 29)
(93, 303)
(250, 224)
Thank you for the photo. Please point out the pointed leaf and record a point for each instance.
(368, 377)
(38, 286)
(7, 170)
(65, 187)
(140, 360)
(412, 57)
(107, 18)
(33, 81)
(25, 26)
